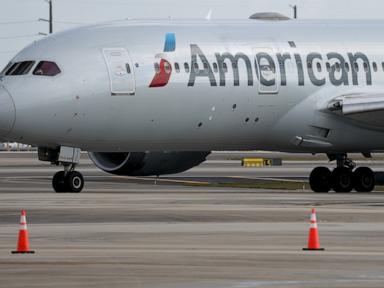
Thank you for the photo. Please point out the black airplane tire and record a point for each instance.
(342, 180)
(364, 179)
(74, 181)
(320, 180)
(59, 183)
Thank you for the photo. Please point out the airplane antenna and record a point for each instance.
(50, 20)
(294, 7)
(209, 15)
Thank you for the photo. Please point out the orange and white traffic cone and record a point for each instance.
(23, 241)
(313, 238)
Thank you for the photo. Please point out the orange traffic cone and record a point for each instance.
(23, 242)
(313, 239)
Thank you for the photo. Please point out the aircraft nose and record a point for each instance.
(7, 112)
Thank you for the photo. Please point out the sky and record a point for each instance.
(19, 23)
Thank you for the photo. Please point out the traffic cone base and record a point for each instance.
(23, 252)
(313, 249)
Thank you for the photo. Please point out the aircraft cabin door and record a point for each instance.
(267, 73)
(120, 70)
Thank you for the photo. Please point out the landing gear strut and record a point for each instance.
(68, 180)
(343, 178)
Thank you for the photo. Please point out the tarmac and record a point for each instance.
(168, 232)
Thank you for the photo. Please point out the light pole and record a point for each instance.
(294, 7)
(50, 20)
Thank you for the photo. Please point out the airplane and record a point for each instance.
(153, 97)
(14, 147)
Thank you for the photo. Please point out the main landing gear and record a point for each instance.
(343, 179)
(68, 180)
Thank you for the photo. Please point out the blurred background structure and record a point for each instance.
(25, 21)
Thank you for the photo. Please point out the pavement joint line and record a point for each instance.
(269, 179)
(161, 180)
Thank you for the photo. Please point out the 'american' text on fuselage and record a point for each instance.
(271, 68)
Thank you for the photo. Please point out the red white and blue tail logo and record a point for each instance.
(163, 67)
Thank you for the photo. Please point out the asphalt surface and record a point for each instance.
(149, 232)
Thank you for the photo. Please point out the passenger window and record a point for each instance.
(309, 65)
(128, 67)
(382, 65)
(318, 67)
(205, 66)
(366, 67)
(196, 67)
(157, 68)
(177, 67)
(46, 68)
(167, 68)
(20, 68)
(374, 66)
(328, 67)
(225, 68)
(337, 65)
(356, 67)
(347, 67)
(215, 68)
(186, 67)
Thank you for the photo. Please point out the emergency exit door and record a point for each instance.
(120, 70)
(266, 70)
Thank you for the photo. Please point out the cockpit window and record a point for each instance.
(6, 68)
(12, 68)
(20, 68)
(46, 68)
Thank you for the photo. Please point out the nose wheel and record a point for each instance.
(342, 179)
(68, 182)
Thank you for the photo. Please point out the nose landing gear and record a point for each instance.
(343, 178)
(68, 180)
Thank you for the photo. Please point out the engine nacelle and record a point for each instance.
(147, 163)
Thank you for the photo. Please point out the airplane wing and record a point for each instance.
(367, 107)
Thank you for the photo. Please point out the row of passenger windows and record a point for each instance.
(43, 68)
(337, 66)
(168, 68)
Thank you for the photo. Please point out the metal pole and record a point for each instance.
(50, 17)
(50, 20)
(295, 11)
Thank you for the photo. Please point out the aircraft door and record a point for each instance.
(267, 73)
(120, 70)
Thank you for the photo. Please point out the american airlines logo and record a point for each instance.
(268, 69)
(163, 66)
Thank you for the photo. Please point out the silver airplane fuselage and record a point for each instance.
(271, 92)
